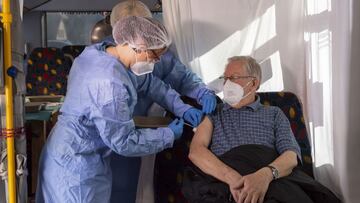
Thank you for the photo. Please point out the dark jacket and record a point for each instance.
(298, 187)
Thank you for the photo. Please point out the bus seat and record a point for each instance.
(47, 72)
(170, 163)
(72, 51)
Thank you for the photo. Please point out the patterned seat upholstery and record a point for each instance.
(291, 106)
(47, 72)
(170, 163)
(72, 51)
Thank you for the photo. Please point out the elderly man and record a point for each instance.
(251, 145)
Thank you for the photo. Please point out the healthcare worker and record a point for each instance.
(96, 117)
(170, 70)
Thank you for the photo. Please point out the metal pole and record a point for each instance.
(6, 20)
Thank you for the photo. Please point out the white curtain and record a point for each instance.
(220, 29)
(304, 46)
(180, 26)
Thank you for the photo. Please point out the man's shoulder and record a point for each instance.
(270, 108)
(218, 111)
(219, 108)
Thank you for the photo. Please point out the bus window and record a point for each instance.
(70, 28)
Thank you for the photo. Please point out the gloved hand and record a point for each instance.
(193, 116)
(208, 102)
(177, 127)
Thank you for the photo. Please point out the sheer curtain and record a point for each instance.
(269, 30)
(304, 46)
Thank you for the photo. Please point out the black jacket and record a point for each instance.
(298, 187)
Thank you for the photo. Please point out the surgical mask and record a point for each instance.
(142, 68)
(234, 93)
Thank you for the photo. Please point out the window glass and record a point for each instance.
(70, 28)
(74, 28)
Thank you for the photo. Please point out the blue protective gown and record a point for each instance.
(171, 71)
(96, 119)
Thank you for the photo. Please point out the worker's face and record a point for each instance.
(149, 55)
(144, 61)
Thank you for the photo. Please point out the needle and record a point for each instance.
(194, 128)
(189, 125)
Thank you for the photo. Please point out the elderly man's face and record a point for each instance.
(236, 72)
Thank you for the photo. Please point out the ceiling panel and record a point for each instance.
(32, 4)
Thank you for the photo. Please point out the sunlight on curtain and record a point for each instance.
(320, 78)
(317, 6)
(272, 80)
(320, 99)
(245, 42)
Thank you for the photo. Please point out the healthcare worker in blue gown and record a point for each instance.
(171, 71)
(96, 117)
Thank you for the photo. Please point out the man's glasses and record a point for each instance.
(234, 78)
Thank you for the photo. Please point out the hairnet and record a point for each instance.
(141, 33)
(129, 8)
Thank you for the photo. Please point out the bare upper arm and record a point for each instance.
(203, 134)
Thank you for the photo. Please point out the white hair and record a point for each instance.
(252, 67)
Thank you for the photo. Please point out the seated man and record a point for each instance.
(247, 147)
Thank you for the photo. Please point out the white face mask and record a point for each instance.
(234, 93)
(142, 68)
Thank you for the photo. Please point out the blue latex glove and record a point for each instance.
(208, 102)
(177, 127)
(193, 116)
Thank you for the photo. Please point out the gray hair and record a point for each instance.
(252, 67)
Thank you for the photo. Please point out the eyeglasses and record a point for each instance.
(234, 78)
(154, 57)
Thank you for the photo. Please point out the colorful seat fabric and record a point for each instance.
(170, 163)
(47, 72)
(72, 51)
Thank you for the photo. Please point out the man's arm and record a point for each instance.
(256, 184)
(286, 145)
(203, 158)
(285, 163)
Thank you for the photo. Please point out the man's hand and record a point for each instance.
(255, 186)
(236, 183)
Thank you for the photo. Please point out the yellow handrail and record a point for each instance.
(6, 20)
